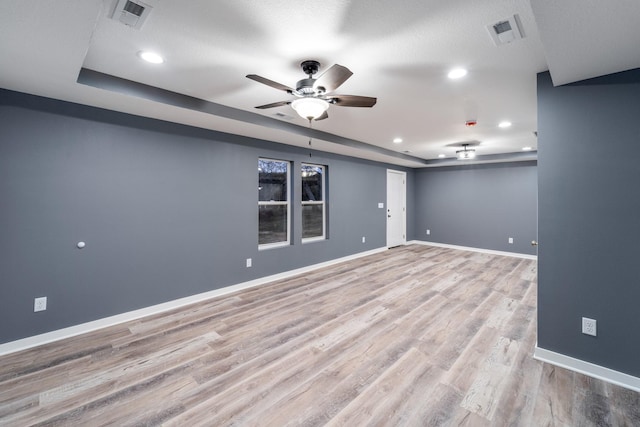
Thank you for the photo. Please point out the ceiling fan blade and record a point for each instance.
(323, 116)
(274, 104)
(332, 78)
(354, 101)
(268, 82)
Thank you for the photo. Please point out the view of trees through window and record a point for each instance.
(313, 201)
(274, 208)
(273, 202)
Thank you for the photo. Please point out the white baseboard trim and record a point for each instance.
(57, 335)
(466, 248)
(587, 368)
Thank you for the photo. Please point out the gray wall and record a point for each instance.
(589, 205)
(478, 206)
(166, 211)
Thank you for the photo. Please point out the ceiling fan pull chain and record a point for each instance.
(310, 127)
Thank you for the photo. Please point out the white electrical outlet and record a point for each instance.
(589, 326)
(510, 240)
(40, 304)
(363, 239)
(428, 232)
(380, 205)
(248, 262)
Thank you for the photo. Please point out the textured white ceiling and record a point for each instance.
(400, 52)
(588, 38)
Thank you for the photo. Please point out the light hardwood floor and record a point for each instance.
(414, 336)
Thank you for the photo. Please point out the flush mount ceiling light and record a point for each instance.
(457, 73)
(441, 156)
(466, 153)
(151, 57)
(527, 148)
(397, 140)
(505, 124)
(309, 107)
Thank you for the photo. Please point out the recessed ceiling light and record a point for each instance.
(442, 156)
(397, 140)
(504, 124)
(527, 148)
(151, 57)
(457, 73)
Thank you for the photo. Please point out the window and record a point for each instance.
(313, 202)
(273, 203)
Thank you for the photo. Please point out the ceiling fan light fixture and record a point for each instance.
(466, 153)
(309, 107)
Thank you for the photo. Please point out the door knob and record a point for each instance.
(534, 243)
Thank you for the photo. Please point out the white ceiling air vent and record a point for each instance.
(131, 13)
(283, 116)
(505, 31)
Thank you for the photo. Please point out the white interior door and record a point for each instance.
(396, 208)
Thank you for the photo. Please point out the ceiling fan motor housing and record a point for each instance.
(305, 87)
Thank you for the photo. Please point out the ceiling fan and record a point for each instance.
(314, 95)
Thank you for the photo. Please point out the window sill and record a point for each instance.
(273, 246)
(314, 239)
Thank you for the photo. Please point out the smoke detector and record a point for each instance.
(131, 13)
(505, 31)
